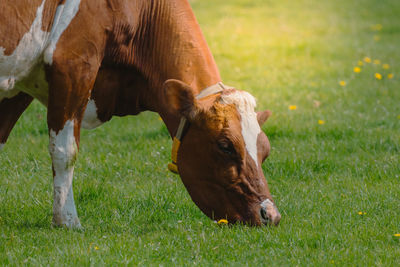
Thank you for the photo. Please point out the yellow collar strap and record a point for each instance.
(211, 90)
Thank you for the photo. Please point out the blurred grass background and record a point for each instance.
(334, 155)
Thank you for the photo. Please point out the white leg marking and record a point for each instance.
(64, 15)
(26, 54)
(1, 146)
(245, 104)
(90, 119)
(63, 151)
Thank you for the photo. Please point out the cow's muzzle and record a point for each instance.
(269, 213)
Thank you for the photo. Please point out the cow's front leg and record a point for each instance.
(69, 88)
(63, 150)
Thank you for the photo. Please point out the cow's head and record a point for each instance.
(221, 153)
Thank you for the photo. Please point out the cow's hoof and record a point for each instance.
(70, 223)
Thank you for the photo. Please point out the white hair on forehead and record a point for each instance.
(244, 102)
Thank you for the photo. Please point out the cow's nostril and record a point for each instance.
(263, 213)
(269, 214)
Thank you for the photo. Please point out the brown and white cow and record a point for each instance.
(87, 61)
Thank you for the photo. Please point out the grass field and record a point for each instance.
(335, 153)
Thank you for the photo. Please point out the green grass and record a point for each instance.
(285, 53)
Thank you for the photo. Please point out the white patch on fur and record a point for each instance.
(245, 104)
(31, 47)
(64, 15)
(1, 146)
(63, 151)
(90, 119)
(24, 57)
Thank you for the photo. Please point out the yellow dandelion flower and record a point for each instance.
(96, 247)
(360, 213)
(320, 122)
(292, 107)
(377, 61)
(376, 27)
(397, 235)
(386, 66)
(378, 76)
(360, 63)
(357, 69)
(377, 38)
(390, 76)
(223, 221)
(367, 60)
(342, 83)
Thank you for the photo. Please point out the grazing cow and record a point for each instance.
(87, 61)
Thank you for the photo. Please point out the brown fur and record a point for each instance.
(49, 12)
(17, 17)
(17, 105)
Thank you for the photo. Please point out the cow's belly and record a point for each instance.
(35, 84)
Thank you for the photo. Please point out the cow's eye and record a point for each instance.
(226, 147)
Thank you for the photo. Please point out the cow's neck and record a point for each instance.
(168, 44)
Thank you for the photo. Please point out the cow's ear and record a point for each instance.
(180, 99)
(262, 116)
